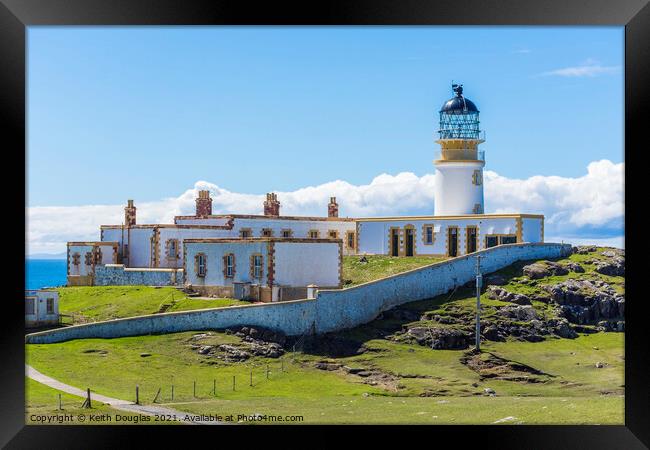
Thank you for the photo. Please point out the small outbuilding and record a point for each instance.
(41, 308)
(262, 269)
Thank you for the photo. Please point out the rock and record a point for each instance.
(522, 313)
(584, 249)
(144, 355)
(489, 391)
(562, 329)
(544, 269)
(495, 280)
(497, 293)
(575, 267)
(233, 353)
(353, 370)
(326, 365)
(492, 334)
(600, 365)
(614, 268)
(533, 338)
(363, 260)
(205, 349)
(439, 338)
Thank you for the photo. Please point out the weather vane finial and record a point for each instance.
(458, 89)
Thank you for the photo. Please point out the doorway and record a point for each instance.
(410, 241)
(394, 242)
(472, 242)
(452, 241)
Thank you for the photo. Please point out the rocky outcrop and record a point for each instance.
(497, 293)
(438, 338)
(543, 269)
(522, 313)
(614, 267)
(587, 301)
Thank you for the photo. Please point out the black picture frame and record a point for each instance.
(16, 15)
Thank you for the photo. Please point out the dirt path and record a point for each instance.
(122, 405)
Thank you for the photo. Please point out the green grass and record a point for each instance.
(355, 272)
(96, 303)
(337, 397)
(424, 385)
(42, 408)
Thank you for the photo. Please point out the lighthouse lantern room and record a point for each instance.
(459, 165)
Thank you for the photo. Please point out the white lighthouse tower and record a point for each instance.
(459, 166)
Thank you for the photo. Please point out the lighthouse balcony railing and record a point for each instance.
(460, 154)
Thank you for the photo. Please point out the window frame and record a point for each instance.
(425, 228)
(247, 231)
(229, 265)
(255, 267)
(353, 235)
(266, 232)
(286, 230)
(49, 305)
(197, 265)
(309, 234)
(32, 301)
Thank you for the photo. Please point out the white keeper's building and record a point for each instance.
(458, 227)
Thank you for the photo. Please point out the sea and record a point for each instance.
(41, 273)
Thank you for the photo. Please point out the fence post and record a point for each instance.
(157, 394)
(267, 371)
(172, 392)
(194, 388)
(137, 394)
(60, 407)
(251, 377)
(233, 382)
(214, 387)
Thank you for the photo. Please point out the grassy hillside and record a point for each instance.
(95, 303)
(389, 370)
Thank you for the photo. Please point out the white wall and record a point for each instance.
(139, 242)
(82, 268)
(532, 229)
(454, 192)
(215, 252)
(40, 315)
(304, 263)
(374, 235)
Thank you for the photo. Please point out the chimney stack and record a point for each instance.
(271, 205)
(129, 214)
(333, 208)
(203, 204)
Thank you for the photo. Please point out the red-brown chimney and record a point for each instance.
(271, 205)
(129, 214)
(333, 208)
(203, 204)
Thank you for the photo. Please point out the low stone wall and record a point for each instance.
(118, 275)
(332, 310)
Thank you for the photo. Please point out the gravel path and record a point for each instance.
(122, 405)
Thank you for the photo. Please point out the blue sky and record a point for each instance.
(122, 112)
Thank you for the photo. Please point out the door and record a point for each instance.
(472, 243)
(410, 241)
(452, 241)
(394, 242)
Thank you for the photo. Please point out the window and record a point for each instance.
(50, 306)
(477, 209)
(30, 306)
(201, 265)
(89, 258)
(313, 234)
(491, 241)
(172, 248)
(267, 232)
(427, 234)
(256, 266)
(76, 259)
(508, 240)
(287, 233)
(477, 178)
(245, 233)
(229, 265)
(333, 234)
(350, 239)
(98, 255)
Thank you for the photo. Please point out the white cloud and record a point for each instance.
(589, 68)
(590, 205)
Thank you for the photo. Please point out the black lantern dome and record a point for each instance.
(459, 117)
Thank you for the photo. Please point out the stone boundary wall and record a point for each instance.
(118, 275)
(332, 310)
